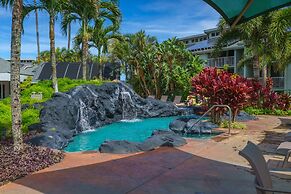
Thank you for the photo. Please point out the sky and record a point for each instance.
(161, 18)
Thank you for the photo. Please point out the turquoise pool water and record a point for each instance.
(136, 131)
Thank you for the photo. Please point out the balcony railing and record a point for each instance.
(221, 61)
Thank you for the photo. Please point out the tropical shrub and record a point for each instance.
(156, 68)
(219, 87)
(31, 115)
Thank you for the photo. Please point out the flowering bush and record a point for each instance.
(223, 88)
(218, 87)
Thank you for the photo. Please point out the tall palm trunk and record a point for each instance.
(171, 83)
(100, 64)
(37, 31)
(84, 50)
(264, 75)
(256, 67)
(15, 74)
(53, 53)
(69, 36)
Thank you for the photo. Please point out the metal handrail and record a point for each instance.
(215, 106)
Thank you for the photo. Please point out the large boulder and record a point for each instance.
(188, 126)
(89, 107)
(119, 147)
(159, 138)
(162, 138)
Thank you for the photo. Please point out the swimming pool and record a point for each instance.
(135, 131)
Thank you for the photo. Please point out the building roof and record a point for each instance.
(210, 44)
(4, 66)
(193, 36)
(205, 44)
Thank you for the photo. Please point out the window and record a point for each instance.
(3, 90)
(193, 40)
(217, 33)
(187, 42)
(213, 34)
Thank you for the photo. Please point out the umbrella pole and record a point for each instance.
(246, 7)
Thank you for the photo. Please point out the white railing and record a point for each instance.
(221, 61)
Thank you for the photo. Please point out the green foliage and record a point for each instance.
(5, 118)
(234, 125)
(266, 39)
(156, 68)
(63, 55)
(31, 116)
(262, 111)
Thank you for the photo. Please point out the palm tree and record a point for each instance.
(53, 8)
(101, 37)
(37, 30)
(139, 44)
(17, 11)
(69, 36)
(171, 49)
(85, 12)
(266, 38)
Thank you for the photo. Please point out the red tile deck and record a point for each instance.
(201, 166)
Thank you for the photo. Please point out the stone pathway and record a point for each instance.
(201, 166)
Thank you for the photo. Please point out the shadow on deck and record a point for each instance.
(166, 170)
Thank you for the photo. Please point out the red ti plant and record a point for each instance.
(222, 88)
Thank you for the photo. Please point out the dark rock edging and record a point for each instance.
(159, 138)
(89, 107)
(184, 126)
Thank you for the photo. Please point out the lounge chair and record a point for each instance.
(263, 181)
(177, 100)
(151, 96)
(288, 137)
(164, 98)
(285, 150)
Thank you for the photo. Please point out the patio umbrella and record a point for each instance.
(239, 11)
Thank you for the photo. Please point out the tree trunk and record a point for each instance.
(171, 83)
(69, 37)
(264, 74)
(100, 64)
(53, 53)
(37, 31)
(256, 68)
(15, 74)
(84, 50)
(142, 77)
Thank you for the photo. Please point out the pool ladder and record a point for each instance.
(215, 106)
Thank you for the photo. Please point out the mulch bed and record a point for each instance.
(14, 165)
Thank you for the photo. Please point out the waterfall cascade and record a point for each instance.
(129, 112)
(83, 116)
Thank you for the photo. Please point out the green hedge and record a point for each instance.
(258, 111)
(31, 116)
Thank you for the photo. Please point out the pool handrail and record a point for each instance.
(215, 106)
